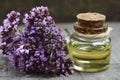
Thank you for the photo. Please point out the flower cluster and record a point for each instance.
(8, 30)
(41, 48)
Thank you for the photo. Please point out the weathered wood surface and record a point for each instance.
(113, 73)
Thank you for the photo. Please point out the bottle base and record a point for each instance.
(91, 67)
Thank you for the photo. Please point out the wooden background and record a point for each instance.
(64, 10)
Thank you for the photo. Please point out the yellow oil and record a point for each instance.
(89, 57)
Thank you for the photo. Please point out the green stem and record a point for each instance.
(67, 32)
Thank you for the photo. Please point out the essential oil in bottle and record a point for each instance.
(89, 45)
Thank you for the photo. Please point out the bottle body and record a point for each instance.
(89, 55)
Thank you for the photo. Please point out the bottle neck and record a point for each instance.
(90, 38)
(90, 30)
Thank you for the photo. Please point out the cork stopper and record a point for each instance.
(90, 19)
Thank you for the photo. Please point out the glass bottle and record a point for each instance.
(90, 50)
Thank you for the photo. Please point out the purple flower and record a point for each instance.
(12, 20)
(41, 48)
